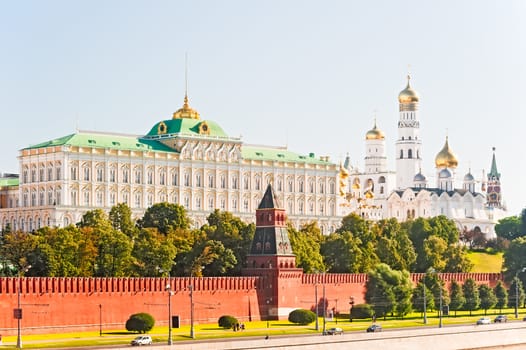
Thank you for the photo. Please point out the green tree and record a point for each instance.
(114, 253)
(388, 291)
(487, 298)
(457, 297)
(306, 245)
(121, 219)
(456, 257)
(471, 293)
(502, 295)
(509, 228)
(343, 253)
(153, 252)
(514, 258)
(141, 322)
(94, 218)
(17, 248)
(394, 246)
(516, 293)
(213, 259)
(234, 234)
(165, 217)
(418, 297)
(435, 248)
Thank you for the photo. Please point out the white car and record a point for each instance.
(484, 320)
(142, 340)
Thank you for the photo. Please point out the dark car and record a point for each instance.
(500, 319)
(374, 328)
(334, 330)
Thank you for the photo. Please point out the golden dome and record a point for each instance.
(408, 95)
(375, 133)
(186, 111)
(446, 158)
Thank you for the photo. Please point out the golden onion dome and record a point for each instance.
(186, 111)
(375, 133)
(408, 95)
(446, 158)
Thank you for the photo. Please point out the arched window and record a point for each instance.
(410, 154)
(401, 154)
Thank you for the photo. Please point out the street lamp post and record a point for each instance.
(324, 305)
(168, 288)
(100, 320)
(425, 314)
(316, 303)
(440, 311)
(192, 335)
(18, 312)
(517, 291)
(351, 302)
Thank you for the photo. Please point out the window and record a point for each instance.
(322, 187)
(210, 203)
(50, 197)
(57, 197)
(57, 172)
(150, 200)
(99, 198)
(41, 175)
(100, 174)
(41, 198)
(300, 186)
(112, 198)
(33, 175)
(73, 174)
(74, 198)
(198, 180)
(112, 175)
(245, 183)
(198, 203)
(125, 176)
(300, 207)
(331, 188)
(174, 179)
(186, 179)
(86, 198)
(245, 204)
(150, 178)
(258, 183)
(33, 198)
(290, 185)
(311, 187)
(280, 185)
(234, 183)
(162, 178)
(401, 154)
(186, 202)
(223, 181)
(234, 204)
(137, 200)
(24, 176)
(86, 174)
(410, 154)
(211, 181)
(125, 198)
(138, 176)
(223, 204)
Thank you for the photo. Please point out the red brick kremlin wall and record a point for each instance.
(73, 304)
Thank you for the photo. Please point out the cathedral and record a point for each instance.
(406, 193)
(195, 163)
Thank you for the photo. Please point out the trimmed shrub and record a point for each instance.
(302, 316)
(141, 323)
(227, 321)
(362, 311)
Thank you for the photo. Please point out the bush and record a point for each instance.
(140, 323)
(227, 321)
(301, 316)
(362, 311)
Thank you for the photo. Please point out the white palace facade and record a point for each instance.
(194, 163)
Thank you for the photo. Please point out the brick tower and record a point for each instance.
(272, 259)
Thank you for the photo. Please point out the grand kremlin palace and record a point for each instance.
(193, 162)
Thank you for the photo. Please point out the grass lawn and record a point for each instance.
(485, 262)
(254, 328)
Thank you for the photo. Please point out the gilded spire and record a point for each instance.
(446, 158)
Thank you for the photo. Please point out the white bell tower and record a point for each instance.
(408, 146)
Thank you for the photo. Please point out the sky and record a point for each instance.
(309, 75)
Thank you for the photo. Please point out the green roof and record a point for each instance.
(9, 181)
(186, 126)
(278, 154)
(122, 142)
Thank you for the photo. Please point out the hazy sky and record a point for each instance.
(308, 74)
